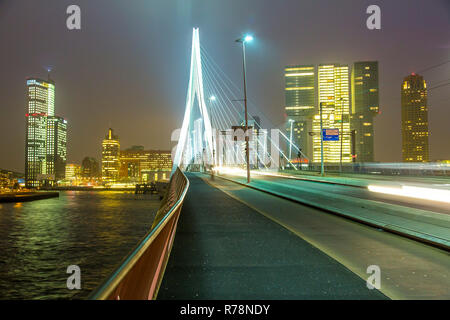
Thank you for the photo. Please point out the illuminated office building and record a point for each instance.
(365, 106)
(132, 161)
(56, 147)
(110, 158)
(159, 160)
(300, 107)
(141, 165)
(334, 95)
(73, 171)
(40, 106)
(414, 119)
(157, 167)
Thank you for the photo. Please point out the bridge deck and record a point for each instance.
(225, 250)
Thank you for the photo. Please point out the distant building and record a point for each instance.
(90, 168)
(415, 133)
(73, 171)
(4, 180)
(141, 165)
(10, 179)
(40, 105)
(300, 107)
(132, 162)
(365, 106)
(110, 158)
(334, 94)
(46, 135)
(256, 143)
(56, 147)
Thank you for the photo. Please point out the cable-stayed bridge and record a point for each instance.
(213, 131)
(291, 233)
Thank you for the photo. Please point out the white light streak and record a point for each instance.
(414, 192)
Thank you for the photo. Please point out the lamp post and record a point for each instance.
(341, 134)
(211, 100)
(245, 40)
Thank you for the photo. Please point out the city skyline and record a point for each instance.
(91, 97)
(214, 151)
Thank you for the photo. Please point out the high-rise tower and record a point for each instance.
(40, 105)
(300, 106)
(334, 95)
(56, 147)
(110, 158)
(414, 119)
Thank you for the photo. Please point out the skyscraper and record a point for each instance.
(300, 107)
(45, 144)
(414, 119)
(334, 95)
(56, 147)
(365, 106)
(110, 158)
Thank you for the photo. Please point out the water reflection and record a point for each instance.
(93, 230)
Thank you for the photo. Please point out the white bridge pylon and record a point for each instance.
(195, 89)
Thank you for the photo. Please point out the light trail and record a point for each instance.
(242, 172)
(414, 192)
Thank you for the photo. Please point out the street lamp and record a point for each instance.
(244, 40)
(213, 99)
(322, 167)
(248, 38)
(341, 133)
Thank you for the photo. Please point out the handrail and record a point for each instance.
(140, 274)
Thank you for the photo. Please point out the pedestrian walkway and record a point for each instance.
(223, 249)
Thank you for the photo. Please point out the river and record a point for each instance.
(93, 230)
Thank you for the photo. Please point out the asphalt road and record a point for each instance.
(361, 193)
(409, 217)
(409, 269)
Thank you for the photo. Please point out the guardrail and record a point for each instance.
(440, 169)
(140, 274)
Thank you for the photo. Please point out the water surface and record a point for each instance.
(94, 230)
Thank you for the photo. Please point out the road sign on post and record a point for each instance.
(330, 134)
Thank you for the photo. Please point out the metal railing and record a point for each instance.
(140, 274)
(439, 169)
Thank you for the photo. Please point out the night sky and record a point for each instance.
(128, 67)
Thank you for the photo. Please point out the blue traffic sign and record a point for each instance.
(330, 134)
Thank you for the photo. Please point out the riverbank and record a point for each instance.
(26, 196)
